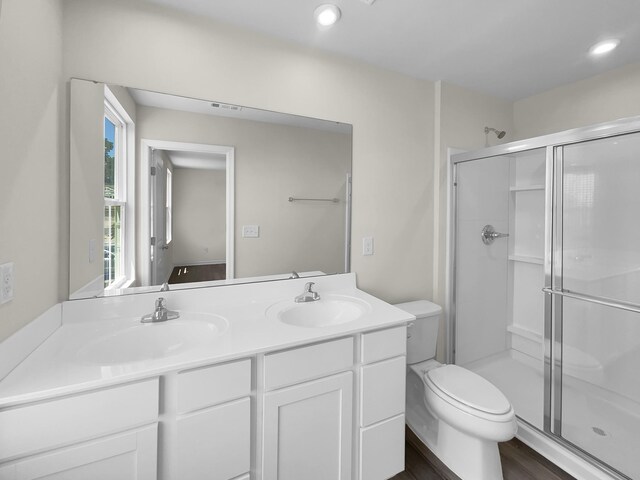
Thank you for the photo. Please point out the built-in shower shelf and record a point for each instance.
(525, 188)
(525, 333)
(527, 259)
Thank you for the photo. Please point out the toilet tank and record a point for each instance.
(422, 334)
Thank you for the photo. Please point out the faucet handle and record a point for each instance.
(308, 286)
(160, 303)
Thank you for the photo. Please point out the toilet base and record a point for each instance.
(468, 457)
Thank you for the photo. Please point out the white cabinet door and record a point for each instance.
(382, 390)
(215, 444)
(308, 430)
(382, 449)
(127, 456)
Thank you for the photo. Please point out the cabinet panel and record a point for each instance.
(382, 390)
(215, 443)
(129, 456)
(47, 425)
(382, 449)
(384, 344)
(308, 430)
(208, 386)
(300, 364)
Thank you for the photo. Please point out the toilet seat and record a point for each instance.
(469, 392)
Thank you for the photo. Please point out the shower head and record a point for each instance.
(499, 133)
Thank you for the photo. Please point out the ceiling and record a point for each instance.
(213, 161)
(197, 160)
(506, 48)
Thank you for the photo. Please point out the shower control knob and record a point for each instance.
(489, 234)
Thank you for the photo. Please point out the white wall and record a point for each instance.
(31, 171)
(609, 96)
(199, 216)
(392, 114)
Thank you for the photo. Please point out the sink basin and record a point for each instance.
(138, 342)
(329, 311)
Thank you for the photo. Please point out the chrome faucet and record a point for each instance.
(308, 295)
(160, 314)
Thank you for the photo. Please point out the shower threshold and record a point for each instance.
(598, 420)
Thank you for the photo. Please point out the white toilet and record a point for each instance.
(458, 414)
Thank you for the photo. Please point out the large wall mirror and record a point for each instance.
(186, 192)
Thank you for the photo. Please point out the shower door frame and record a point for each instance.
(552, 332)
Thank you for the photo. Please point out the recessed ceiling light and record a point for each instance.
(604, 47)
(327, 14)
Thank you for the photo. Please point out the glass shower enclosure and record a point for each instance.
(546, 285)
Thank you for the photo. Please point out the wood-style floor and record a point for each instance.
(519, 462)
(198, 273)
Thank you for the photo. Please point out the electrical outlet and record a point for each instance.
(6, 282)
(250, 231)
(367, 245)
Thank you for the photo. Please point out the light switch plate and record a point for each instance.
(6, 282)
(250, 231)
(367, 245)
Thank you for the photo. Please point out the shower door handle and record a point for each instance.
(489, 234)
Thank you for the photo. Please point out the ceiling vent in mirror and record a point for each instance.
(226, 106)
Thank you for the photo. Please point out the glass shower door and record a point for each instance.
(499, 304)
(597, 311)
(482, 198)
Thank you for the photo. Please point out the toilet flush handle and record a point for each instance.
(409, 325)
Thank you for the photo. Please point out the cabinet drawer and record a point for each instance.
(215, 443)
(382, 449)
(297, 365)
(384, 344)
(55, 423)
(382, 390)
(204, 387)
(131, 455)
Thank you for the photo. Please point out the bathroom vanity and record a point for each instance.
(245, 385)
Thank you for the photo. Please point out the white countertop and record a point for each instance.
(55, 367)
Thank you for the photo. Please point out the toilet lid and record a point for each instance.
(469, 389)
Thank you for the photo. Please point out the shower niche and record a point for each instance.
(549, 309)
(525, 275)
